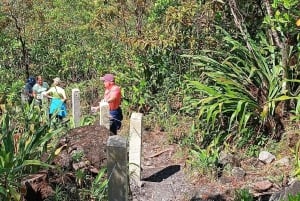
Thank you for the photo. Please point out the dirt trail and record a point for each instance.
(163, 177)
(166, 178)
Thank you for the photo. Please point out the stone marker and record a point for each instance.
(135, 148)
(76, 107)
(117, 169)
(104, 114)
(45, 105)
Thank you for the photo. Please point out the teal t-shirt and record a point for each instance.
(38, 89)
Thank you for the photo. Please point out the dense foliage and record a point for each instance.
(205, 70)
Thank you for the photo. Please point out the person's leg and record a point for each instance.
(30, 100)
(113, 126)
(119, 118)
(116, 120)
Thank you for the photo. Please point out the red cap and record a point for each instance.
(108, 78)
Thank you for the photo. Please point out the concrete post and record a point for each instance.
(104, 114)
(117, 169)
(45, 105)
(135, 148)
(76, 113)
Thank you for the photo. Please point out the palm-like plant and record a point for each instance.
(241, 88)
(21, 151)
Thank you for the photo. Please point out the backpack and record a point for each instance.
(27, 88)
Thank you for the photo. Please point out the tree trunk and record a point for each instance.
(25, 55)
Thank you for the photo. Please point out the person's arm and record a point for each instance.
(95, 109)
(46, 94)
(64, 95)
(113, 94)
(34, 92)
(111, 98)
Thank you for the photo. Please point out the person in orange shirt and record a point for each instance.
(112, 96)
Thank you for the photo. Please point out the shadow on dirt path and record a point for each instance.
(163, 174)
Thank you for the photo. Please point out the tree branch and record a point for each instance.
(274, 33)
(238, 20)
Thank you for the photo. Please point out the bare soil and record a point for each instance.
(83, 150)
(165, 174)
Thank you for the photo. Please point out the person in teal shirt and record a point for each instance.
(38, 90)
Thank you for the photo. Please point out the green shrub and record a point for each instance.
(243, 195)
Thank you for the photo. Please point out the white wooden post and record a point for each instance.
(104, 114)
(135, 148)
(76, 106)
